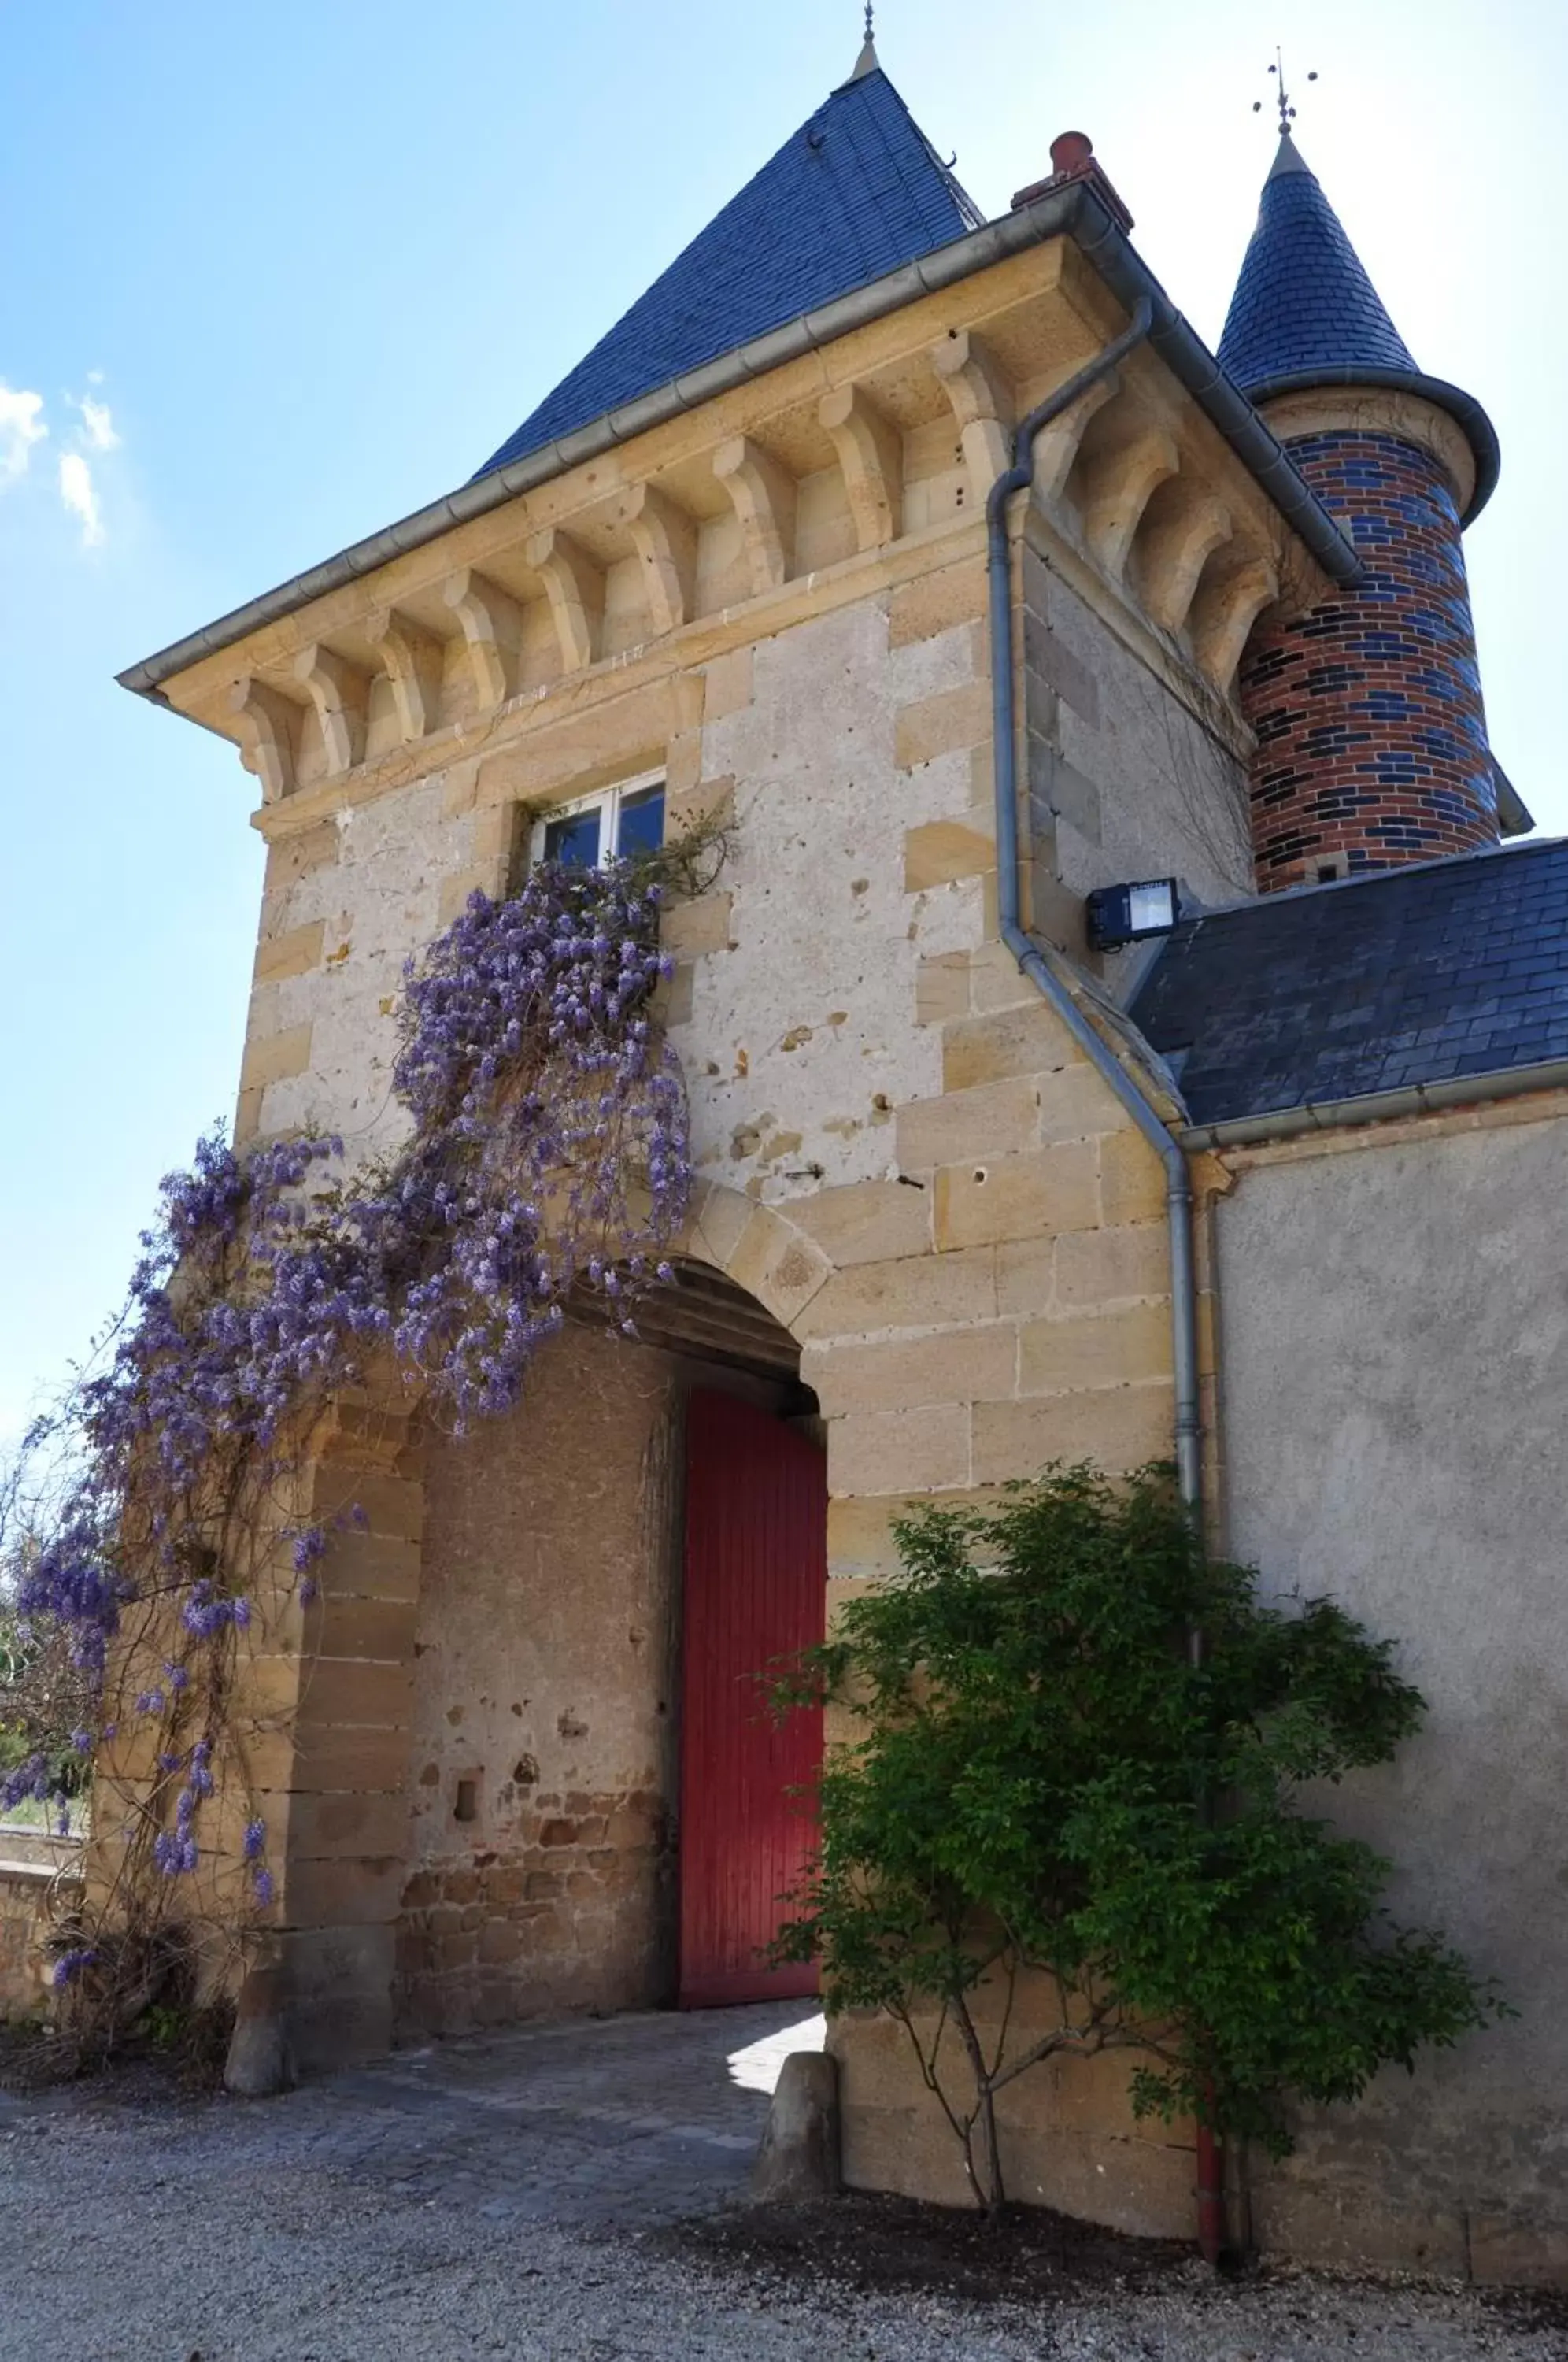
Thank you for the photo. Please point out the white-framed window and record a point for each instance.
(626, 818)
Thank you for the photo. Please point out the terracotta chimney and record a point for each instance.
(1073, 158)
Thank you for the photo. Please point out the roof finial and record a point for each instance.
(1280, 95)
(868, 62)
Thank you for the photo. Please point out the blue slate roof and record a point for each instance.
(1418, 974)
(857, 191)
(1303, 302)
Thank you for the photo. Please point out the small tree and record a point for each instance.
(1049, 1778)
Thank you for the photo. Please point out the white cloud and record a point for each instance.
(21, 425)
(97, 426)
(78, 492)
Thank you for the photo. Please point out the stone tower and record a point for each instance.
(1372, 737)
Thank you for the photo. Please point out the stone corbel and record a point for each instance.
(1174, 553)
(575, 589)
(1119, 487)
(1223, 617)
(413, 659)
(1057, 445)
(269, 734)
(871, 460)
(982, 406)
(763, 495)
(666, 542)
(340, 692)
(492, 627)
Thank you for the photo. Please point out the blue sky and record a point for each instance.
(273, 280)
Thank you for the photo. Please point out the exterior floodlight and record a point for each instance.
(1123, 915)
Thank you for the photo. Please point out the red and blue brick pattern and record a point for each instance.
(1371, 731)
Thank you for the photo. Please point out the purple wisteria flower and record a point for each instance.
(548, 1160)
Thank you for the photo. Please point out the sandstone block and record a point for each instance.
(1026, 1039)
(729, 684)
(1132, 1179)
(937, 725)
(1025, 1196)
(1118, 1428)
(691, 929)
(1094, 1350)
(941, 851)
(934, 602)
(867, 1221)
(344, 1690)
(780, 1267)
(275, 1057)
(292, 953)
(942, 988)
(919, 1291)
(899, 1452)
(1100, 1267)
(992, 1119)
(901, 1373)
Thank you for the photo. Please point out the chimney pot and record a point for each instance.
(1073, 151)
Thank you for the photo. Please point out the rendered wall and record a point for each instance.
(1404, 1450)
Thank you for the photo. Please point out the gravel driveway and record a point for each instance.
(523, 2195)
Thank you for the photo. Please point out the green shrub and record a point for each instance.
(1052, 1772)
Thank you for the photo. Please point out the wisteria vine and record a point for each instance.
(548, 1156)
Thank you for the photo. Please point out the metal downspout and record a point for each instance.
(1179, 1186)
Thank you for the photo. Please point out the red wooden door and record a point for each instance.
(756, 1590)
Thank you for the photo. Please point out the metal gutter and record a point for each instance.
(1029, 958)
(1379, 1107)
(1073, 211)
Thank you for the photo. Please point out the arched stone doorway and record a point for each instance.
(590, 1821)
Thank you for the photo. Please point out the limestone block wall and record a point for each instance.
(25, 1923)
(898, 1153)
(1405, 1455)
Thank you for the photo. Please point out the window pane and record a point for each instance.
(574, 839)
(642, 821)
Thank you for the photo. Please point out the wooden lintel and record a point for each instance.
(871, 460)
(269, 734)
(413, 659)
(575, 589)
(340, 692)
(665, 541)
(762, 494)
(982, 400)
(492, 627)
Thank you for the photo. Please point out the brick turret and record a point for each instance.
(1371, 737)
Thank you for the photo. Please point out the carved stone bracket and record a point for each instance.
(1172, 553)
(575, 589)
(1228, 605)
(1121, 482)
(413, 659)
(340, 692)
(492, 627)
(665, 541)
(1056, 445)
(871, 460)
(762, 494)
(269, 730)
(981, 397)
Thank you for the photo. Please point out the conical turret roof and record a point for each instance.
(857, 191)
(1306, 313)
(1303, 301)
